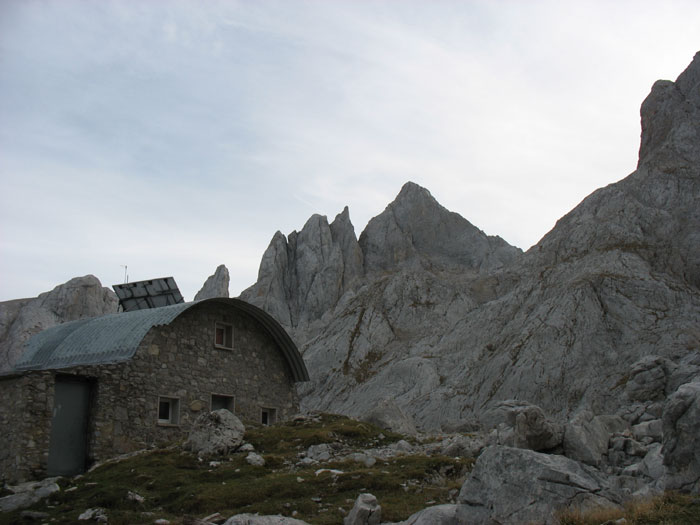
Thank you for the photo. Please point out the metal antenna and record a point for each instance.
(126, 277)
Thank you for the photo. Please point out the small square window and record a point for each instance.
(168, 411)
(223, 335)
(220, 401)
(268, 416)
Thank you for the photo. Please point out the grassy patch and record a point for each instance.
(177, 486)
(670, 508)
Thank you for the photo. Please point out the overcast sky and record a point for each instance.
(175, 136)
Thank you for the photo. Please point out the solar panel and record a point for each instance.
(154, 293)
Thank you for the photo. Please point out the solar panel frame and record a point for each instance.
(153, 293)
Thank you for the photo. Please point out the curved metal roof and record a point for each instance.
(115, 337)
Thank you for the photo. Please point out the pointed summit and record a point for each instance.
(670, 116)
(416, 231)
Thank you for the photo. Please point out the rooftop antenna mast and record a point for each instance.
(126, 277)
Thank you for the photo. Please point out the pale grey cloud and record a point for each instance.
(176, 136)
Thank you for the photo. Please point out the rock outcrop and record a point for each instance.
(79, 298)
(215, 286)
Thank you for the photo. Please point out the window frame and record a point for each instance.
(271, 413)
(230, 398)
(227, 335)
(173, 411)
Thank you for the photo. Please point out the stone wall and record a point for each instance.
(26, 404)
(178, 361)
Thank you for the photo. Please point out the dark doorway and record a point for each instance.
(69, 424)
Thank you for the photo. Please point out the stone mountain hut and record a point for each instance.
(88, 390)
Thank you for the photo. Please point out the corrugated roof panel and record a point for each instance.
(104, 339)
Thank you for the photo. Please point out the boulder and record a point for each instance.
(523, 425)
(389, 416)
(437, 515)
(215, 286)
(649, 430)
(512, 486)
(586, 436)
(214, 433)
(322, 452)
(366, 511)
(254, 519)
(681, 438)
(255, 459)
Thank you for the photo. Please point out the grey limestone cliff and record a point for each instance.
(302, 277)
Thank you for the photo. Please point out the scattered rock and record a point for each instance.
(215, 433)
(320, 452)
(366, 511)
(133, 496)
(361, 457)
(27, 494)
(97, 514)
(255, 459)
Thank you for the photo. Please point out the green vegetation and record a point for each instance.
(179, 487)
(668, 509)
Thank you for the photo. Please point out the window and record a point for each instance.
(268, 416)
(220, 401)
(223, 335)
(168, 411)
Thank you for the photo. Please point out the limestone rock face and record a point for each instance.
(681, 438)
(215, 286)
(302, 277)
(648, 379)
(389, 416)
(79, 298)
(512, 486)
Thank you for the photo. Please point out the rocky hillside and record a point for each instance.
(429, 312)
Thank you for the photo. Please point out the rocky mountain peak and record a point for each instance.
(670, 116)
(416, 231)
(302, 276)
(216, 285)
